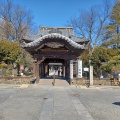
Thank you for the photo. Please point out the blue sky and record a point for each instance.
(55, 13)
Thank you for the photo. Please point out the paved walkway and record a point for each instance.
(58, 82)
(61, 103)
(47, 102)
(42, 102)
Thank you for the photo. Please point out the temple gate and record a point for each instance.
(55, 47)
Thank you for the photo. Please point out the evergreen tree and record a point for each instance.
(112, 37)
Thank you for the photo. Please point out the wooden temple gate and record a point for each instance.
(54, 45)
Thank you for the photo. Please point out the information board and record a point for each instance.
(79, 68)
(71, 69)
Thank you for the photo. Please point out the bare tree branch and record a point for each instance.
(90, 24)
(18, 18)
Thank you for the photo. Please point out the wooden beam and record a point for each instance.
(45, 50)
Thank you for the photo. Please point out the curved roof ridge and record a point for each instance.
(54, 35)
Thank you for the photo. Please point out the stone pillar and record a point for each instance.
(91, 74)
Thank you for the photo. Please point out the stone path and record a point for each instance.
(62, 104)
(58, 82)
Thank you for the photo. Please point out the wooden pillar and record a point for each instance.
(37, 73)
(44, 69)
(66, 70)
(40, 70)
(34, 69)
(48, 69)
(63, 71)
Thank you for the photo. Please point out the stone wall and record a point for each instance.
(95, 81)
(15, 80)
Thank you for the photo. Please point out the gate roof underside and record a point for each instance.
(65, 34)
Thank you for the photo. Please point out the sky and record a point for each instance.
(55, 13)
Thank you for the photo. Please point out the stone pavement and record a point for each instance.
(96, 87)
(58, 82)
(41, 102)
(62, 104)
(47, 102)
(102, 102)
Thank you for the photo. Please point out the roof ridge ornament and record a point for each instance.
(55, 30)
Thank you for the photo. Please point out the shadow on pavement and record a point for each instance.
(116, 103)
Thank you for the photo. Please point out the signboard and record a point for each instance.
(86, 69)
(79, 68)
(71, 69)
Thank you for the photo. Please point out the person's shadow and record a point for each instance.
(116, 103)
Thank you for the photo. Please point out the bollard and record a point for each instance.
(54, 80)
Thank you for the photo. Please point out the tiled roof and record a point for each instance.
(78, 39)
(54, 35)
(66, 31)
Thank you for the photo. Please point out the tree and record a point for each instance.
(113, 60)
(85, 58)
(90, 24)
(98, 57)
(112, 30)
(15, 21)
(9, 51)
(13, 56)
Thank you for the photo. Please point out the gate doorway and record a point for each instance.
(53, 66)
